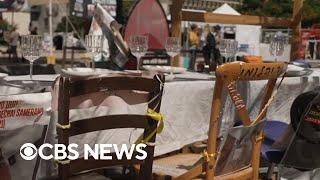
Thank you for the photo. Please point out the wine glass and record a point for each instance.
(31, 47)
(139, 47)
(228, 48)
(94, 44)
(277, 44)
(173, 48)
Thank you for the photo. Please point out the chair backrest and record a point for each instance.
(69, 88)
(227, 76)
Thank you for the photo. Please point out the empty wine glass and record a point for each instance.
(139, 47)
(228, 48)
(277, 44)
(31, 47)
(173, 48)
(94, 44)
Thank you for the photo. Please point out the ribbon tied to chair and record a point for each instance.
(157, 117)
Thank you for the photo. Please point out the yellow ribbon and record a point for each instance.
(208, 156)
(65, 162)
(68, 126)
(157, 117)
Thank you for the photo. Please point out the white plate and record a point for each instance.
(3, 75)
(85, 72)
(166, 69)
(169, 77)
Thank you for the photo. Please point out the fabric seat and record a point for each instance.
(86, 176)
(89, 176)
(175, 165)
(274, 129)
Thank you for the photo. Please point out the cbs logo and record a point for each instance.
(28, 151)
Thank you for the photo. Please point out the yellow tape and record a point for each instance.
(62, 162)
(157, 117)
(208, 156)
(68, 126)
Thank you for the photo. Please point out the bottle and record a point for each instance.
(4, 168)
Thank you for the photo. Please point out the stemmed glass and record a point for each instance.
(31, 46)
(228, 48)
(94, 44)
(139, 47)
(277, 44)
(173, 48)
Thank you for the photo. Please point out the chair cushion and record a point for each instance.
(274, 129)
(175, 165)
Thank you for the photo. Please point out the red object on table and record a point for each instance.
(149, 19)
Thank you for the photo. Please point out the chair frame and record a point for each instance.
(226, 75)
(71, 88)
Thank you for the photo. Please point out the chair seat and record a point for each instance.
(91, 176)
(274, 129)
(175, 165)
(85, 176)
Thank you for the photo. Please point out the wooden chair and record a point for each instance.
(248, 137)
(69, 88)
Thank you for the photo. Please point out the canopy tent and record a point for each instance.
(42, 2)
(245, 34)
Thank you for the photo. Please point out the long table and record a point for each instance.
(186, 106)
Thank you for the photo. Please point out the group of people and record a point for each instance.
(206, 41)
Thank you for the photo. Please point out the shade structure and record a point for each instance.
(42, 2)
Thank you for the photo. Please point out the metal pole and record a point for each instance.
(50, 27)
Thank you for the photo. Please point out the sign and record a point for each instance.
(17, 111)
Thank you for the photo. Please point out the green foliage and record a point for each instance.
(282, 8)
(311, 12)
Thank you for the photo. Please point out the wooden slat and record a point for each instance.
(234, 19)
(242, 174)
(80, 165)
(87, 86)
(296, 28)
(109, 122)
(63, 119)
(250, 71)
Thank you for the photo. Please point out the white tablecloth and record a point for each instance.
(186, 106)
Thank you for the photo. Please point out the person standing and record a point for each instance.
(194, 43)
(209, 48)
(13, 42)
(218, 37)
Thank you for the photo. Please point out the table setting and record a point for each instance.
(186, 120)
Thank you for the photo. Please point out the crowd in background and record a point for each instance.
(207, 41)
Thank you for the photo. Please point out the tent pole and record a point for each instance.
(176, 20)
(296, 28)
(50, 28)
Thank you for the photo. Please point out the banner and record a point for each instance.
(17, 111)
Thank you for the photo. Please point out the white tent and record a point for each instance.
(245, 34)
